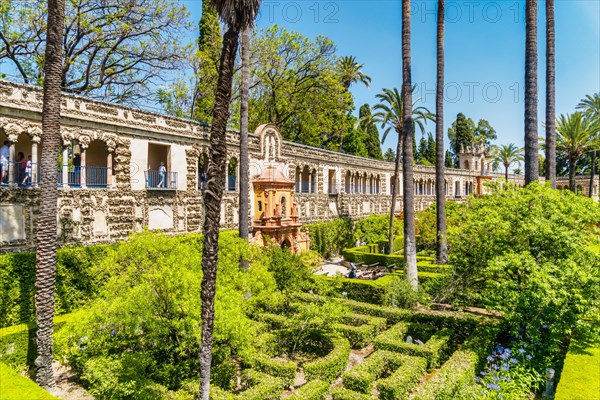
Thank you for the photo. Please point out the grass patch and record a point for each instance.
(580, 378)
(16, 387)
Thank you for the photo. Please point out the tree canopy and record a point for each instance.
(113, 51)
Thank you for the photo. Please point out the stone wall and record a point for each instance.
(329, 185)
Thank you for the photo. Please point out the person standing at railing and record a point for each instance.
(162, 172)
(28, 169)
(21, 164)
(76, 170)
(4, 156)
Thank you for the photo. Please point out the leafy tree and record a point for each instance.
(389, 113)
(461, 133)
(209, 47)
(45, 271)
(532, 254)
(431, 151)
(372, 133)
(484, 133)
(389, 155)
(576, 135)
(449, 160)
(421, 153)
(508, 155)
(237, 16)
(356, 142)
(113, 51)
(296, 85)
(591, 108)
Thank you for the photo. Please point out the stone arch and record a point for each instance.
(347, 182)
(270, 142)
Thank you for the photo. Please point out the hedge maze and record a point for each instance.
(368, 355)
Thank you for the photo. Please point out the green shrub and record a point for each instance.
(461, 324)
(391, 314)
(362, 376)
(259, 386)
(329, 238)
(333, 364)
(375, 228)
(433, 349)
(76, 282)
(313, 390)
(401, 383)
(284, 369)
(455, 376)
(216, 393)
(367, 291)
(341, 393)
(360, 330)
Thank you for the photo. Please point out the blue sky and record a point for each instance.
(485, 51)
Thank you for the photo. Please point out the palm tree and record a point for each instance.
(550, 96)
(591, 108)
(531, 96)
(237, 15)
(576, 135)
(410, 246)
(388, 112)
(507, 155)
(350, 72)
(45, 273)
(440, 183)
(244, 157)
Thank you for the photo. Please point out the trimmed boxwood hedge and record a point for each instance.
(361, 377)
(284, 369)
(455, 377)
(333, 364)
(259, 386)
(341, 393)
(457, 373)
(401, 383)
(360, 330)
(433, 349)
(313, 390)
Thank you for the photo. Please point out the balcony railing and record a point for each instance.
(23, 174)
(91, 177)
(161, 180)
(231, 183)
(333, 188)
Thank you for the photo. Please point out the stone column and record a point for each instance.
(83, 173)
(65, 167)
(34, 163)
(11, 165)
(109, 176)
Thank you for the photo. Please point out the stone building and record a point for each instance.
(124, 169)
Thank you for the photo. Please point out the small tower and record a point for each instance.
(275, 213)
(476, 158)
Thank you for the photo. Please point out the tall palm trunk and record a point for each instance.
(244, 158)
(592, 174)
(440, 183)
(506, 172)
(45, 274)
(531, 96)
(550, 96)
(212, 202)
(410, 246)
(572, 173)
(395, 190)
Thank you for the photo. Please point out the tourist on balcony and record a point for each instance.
(77, 170)
(162, 172)
(28, 168)
(20, 165)
(4, 156)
